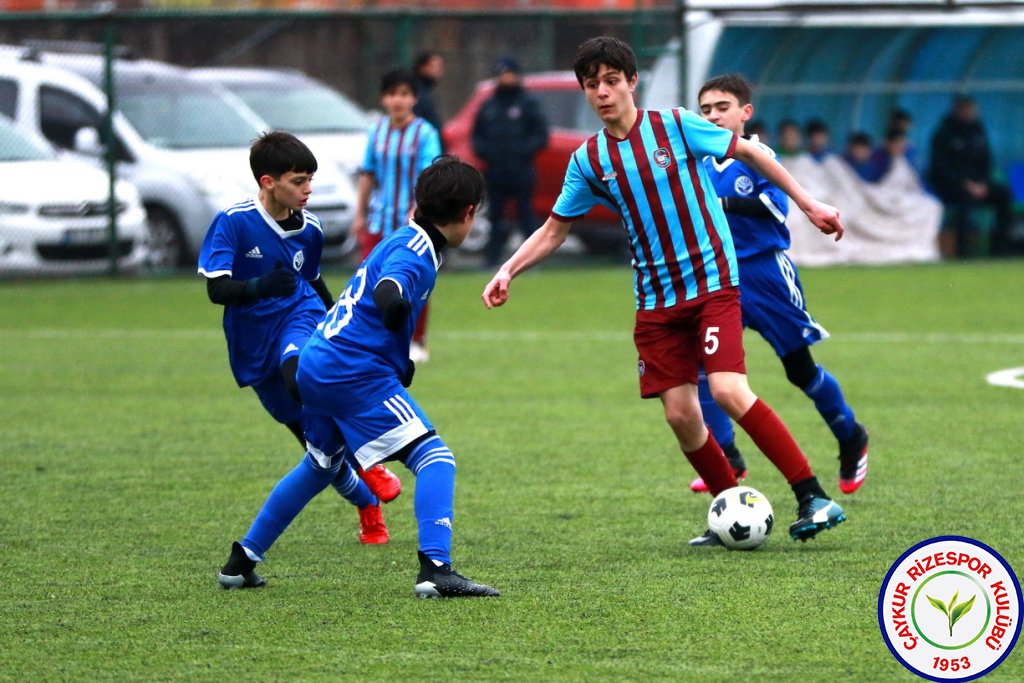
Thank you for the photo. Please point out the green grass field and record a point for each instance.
(129, 461)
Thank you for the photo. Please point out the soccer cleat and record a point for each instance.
(372, 529)
(739, 468)
(240, 571)
(815, 514)
(382, 482)
(705, 540)
(853, 460)
(445, 582)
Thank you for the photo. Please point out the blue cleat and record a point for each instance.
(813, 515)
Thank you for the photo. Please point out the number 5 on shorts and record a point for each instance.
(711, 340)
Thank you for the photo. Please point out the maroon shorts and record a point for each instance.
(673, 343)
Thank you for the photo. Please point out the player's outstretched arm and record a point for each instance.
(824, 216)
(535, 249)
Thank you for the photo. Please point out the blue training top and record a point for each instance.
(751, 235)
(655, 180)
(244, 242)
(352, 344)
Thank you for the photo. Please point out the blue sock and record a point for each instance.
(353, 489)
(291, 494)
(434, 467)
(828, 399)
(715, 418)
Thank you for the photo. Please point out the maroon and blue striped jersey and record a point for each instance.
(655, 179)
(396, 157)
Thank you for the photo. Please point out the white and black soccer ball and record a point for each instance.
(741, 517)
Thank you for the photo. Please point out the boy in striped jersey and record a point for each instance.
(261, 260)
(771, 295)
(400, 145)
(647, 166)
(353, 375)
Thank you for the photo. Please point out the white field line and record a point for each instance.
(538, 336)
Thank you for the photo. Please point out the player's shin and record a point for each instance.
(434, 466)
(286, 501)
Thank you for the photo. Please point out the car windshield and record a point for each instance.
(301, 107)
(568, 109)
(14, 146)
(174, 114)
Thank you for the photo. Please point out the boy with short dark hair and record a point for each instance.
(771, 296)
(261, 260)
(399, 147)
(647, 166)
(353, 375)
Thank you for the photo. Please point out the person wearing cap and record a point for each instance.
(509, 130)
(960, 172)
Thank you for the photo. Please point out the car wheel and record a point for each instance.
(165, 243)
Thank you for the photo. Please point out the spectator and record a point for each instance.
(893, 147)
(960, 172)
(819, 144)
(860, 156)
(509, 131)
(791, 142)
(901, 120)
(428, 70)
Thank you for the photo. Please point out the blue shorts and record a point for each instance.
(392, 421)
(773, 304)
(272, 394)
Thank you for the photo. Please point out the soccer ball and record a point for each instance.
(741, 517)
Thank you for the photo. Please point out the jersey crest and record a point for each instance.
(662, 158)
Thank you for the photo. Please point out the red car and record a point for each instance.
(570, 122)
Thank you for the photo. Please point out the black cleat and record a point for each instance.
(445, 582)
(707, 539)
(240, 571)
(853, 460)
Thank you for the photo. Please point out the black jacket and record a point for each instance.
(425, 107)
(509, 131)
(960, 151)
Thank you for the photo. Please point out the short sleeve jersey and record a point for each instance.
(655, 180)
(396, 157)
(244, 242)
(352, 344)
(751, 235)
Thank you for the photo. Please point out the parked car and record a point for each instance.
(54, 212)
(184, 143)
(570, 121)
(333, 126)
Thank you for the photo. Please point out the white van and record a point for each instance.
(182, 142)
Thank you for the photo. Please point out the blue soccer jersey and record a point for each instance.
(244, 242)
(655, 180)
(351, 345)
(751, 234)
(396, 157)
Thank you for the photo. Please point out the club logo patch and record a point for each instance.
(743, 185)
(641, 368)
(662, 158)
(949, 609)
(298, 260)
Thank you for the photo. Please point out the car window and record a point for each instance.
(301, 108)
(62, 114)
(174, 115)
(8, 98)
(568, 109)
(14, 146)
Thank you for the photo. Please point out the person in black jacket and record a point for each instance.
(960, 172)
(428, 69)
(508, 132)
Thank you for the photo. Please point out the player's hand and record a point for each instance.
(277, 283)
(496, 291)
(825, 218)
